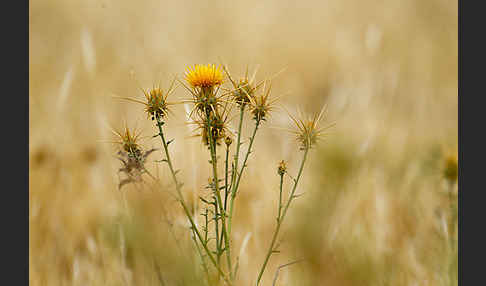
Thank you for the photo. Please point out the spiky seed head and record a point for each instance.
(243, 92)
(308, 131)
(282, 168)
(214, 122)
(451, 169)
(261, 105)
(201, 76)
(128, 140)
(156, 105)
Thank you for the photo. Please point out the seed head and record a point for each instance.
(244, 88)
(214, 122)
(156, 104)
(128, 140)
(261, 105)
(308, 131)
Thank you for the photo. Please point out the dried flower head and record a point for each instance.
(201, 76)
(282, 168)
(131, 155)
(133, 165)
(451, 169)
(308, 131)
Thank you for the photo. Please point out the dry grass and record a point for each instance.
(373, 192)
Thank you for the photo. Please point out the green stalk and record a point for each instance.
(280, 197)
(234, 173)
(181, 200)
(237, 182)
(280, 219)
(205, 267)
(214, 162)
(225, 190)
(216, 229)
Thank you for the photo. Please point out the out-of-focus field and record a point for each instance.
(374, 203)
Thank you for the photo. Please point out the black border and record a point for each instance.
(15, 141)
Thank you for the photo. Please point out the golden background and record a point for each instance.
(373, 191)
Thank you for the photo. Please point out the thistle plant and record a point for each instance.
(211, 113)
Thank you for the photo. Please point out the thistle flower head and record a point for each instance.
(308, 131)
(128, 140)
(214, 125)
(201, 76)
(261, 105)
(451, 170)
(156, 104)
(244, 88)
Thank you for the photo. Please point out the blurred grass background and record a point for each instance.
(373, 193)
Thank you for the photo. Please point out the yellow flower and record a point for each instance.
(204, 76)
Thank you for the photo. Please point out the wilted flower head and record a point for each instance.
(308, 131)
(132, 156)
(201, 76)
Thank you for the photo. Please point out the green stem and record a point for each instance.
(214, 162)
(237, 155)
(181, 200)
(237, 182)
(216, 229)
(225, 189)
(280, 219)
(205, 267)
(280, 197)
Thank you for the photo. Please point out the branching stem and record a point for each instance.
(182, 202)
(281, 218)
